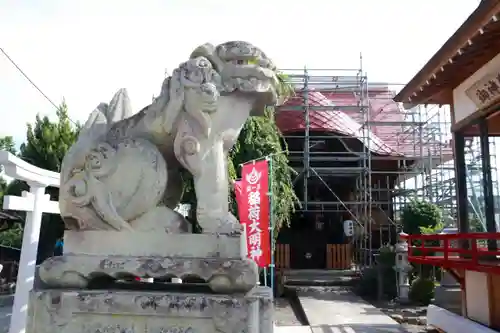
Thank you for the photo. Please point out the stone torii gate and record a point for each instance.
(34, 203)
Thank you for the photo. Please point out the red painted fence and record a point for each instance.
(456, 251)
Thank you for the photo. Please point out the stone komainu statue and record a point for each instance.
(119, 185)
(123, 173)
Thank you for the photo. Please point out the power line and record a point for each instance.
(32, 83)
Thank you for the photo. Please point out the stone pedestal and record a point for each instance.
(94, 311)
(214, 259)
(68, 296)
(219, 274)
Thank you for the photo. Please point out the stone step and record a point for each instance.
(320, 278)
(322, 272)
(321, 281)
(317, 289)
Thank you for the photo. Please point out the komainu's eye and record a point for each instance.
(239, 62)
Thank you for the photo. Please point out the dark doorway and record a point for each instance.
(308, 242)
(308, 253)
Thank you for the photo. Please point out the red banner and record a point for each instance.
(253, 207)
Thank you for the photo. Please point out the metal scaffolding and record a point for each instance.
(391, 153)
(433, 177)
(437, 182)
(474, 180)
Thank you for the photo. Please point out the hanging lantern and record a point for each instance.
(348, 228)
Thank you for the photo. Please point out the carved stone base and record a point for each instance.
(221, 275)
(149, 312)
(151, 243)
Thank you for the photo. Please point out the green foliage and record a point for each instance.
(12, 237)
(426, 271)
(46, 144)
(284, 89)
(16, 187)
(387, 256)
(369, 283)
(422, 290)
(260, 137)
(475, 225)
(421, 216)
(7, 143)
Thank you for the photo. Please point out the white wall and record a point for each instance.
(477, 298)
(464, 106)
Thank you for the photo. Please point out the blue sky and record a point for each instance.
(86, 50)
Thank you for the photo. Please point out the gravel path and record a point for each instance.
(411, 317)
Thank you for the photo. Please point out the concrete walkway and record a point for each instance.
(335, 310)
(292, 329)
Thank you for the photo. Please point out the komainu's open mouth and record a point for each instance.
(243, 68)
(247, 69)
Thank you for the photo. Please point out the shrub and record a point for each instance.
(422, 290)
(420, 217)
(368, 284)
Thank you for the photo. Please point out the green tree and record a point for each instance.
(13, 236)
(421, 217)
(13, 233)
(7, 143)
(46, 144)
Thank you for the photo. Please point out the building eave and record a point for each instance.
(460, 45)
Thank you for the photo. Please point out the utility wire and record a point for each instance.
(32, 83)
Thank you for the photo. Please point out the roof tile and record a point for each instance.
(346, 119)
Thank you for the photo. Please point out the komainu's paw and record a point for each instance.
(230, 226)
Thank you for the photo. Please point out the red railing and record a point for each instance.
(463, 251)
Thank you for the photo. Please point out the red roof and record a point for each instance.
(341, 114)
